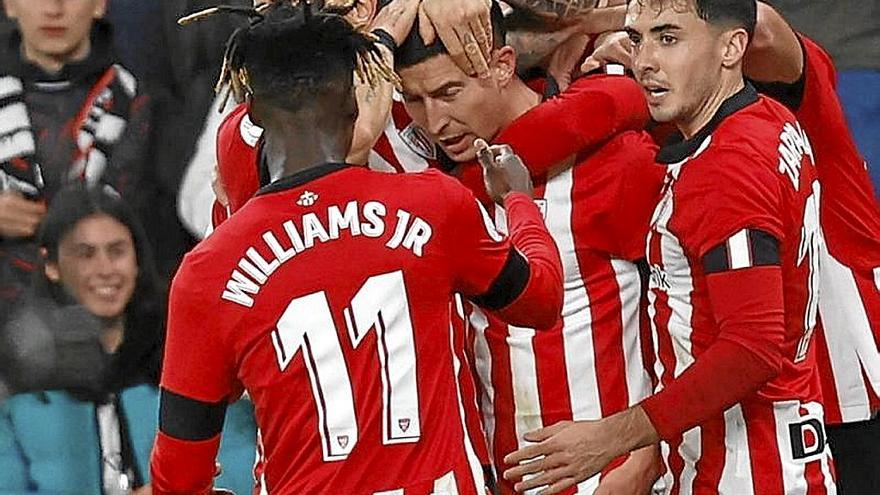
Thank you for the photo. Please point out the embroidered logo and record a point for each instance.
(403, 423)
(419, 142)
(308, 198)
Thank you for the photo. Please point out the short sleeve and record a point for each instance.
(198, 362)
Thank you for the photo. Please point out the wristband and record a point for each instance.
(383, 37)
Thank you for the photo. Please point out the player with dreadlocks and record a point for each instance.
(282, 299)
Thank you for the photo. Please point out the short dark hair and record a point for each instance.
(414, 51)
(743, 13)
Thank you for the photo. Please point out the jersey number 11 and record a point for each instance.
(307, 325)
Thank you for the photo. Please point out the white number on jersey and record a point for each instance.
(812, 242)
(307, 324)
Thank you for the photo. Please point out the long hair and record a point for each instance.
(139, 356)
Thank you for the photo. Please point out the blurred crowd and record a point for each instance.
(107, 152)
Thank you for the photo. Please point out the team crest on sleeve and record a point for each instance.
(418, 141)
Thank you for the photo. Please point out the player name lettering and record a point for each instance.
(793, 145)
(368, 220)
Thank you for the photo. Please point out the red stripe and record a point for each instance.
(467, 386)
(766, 463)
(607, 329)
(675, 464)
(504, 434)
(386, 151)
(712, 449)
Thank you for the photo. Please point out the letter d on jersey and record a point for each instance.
(807, 440)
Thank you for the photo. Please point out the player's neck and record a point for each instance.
(291, 149)
(519, 98)
(702, 115)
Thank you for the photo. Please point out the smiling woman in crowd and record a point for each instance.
(97, 290)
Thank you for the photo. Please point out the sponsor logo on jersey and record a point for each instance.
(659, 279)
(807, 440)
(308, 198)
(418, 141)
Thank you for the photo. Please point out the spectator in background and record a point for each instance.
(70, 113)
(850, 31)
(180, 67)
(97, 439)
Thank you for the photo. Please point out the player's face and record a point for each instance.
(453, 107)
(676, 58)
(97, 265)
(55, 29)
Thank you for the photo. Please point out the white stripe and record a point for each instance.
(95, 165)
(577, 332)
(109, 128)
(526, 401)
(13, 117)
(638, 383)
(16, 145)
(127, 80)
(851, 345)
(794, 479)
(690, 450)
(681, 285)
(736, 476)
(399, 491)
(659, 369)
(483, 365)
(877, 277)
(446, 485)
(10, 86)
(473, 460)
(739, 251)
(815, 410)
(379, 164)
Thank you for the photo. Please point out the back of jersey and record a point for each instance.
(327, 298)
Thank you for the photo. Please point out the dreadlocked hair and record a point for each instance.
(295, 45)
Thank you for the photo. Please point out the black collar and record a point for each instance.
(300, 178)
(677, 148)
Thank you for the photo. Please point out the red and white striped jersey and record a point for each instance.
(403, 147)
(848, 341)
(351, 366)
(751, 167)
(589, 365)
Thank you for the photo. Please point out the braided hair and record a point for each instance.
(292, 48)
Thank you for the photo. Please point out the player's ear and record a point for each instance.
(362, 13)
(734, 45)
(503, 65)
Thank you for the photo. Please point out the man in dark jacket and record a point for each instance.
(68, 112)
